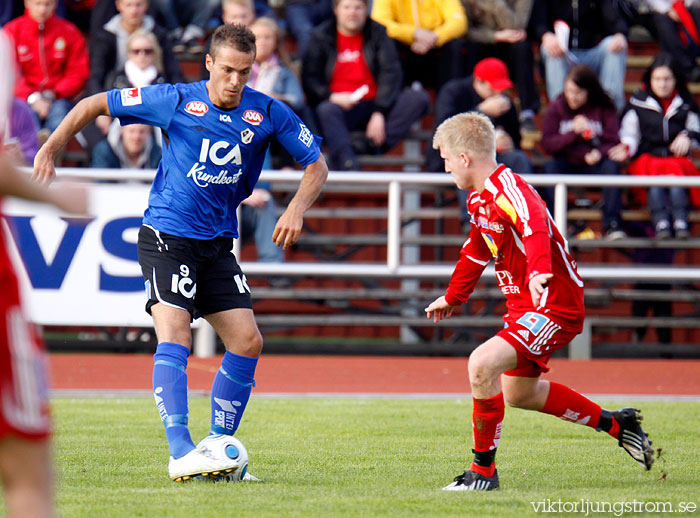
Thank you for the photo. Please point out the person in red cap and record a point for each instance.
(484, 91)
(494, 72)
(499, 29)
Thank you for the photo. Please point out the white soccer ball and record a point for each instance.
(227, 446)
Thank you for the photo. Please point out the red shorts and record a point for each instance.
(24, 406)
(535, 336)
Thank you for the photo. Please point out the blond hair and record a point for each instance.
(469, 132)
(266, 21)
(153, 40)
(243, 3)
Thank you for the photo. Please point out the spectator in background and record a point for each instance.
(302, 16)
(238, 11)
(498, 29)
(128, 147)
(271, 75)
(108, 44)
(258, 220)
(428, 34)
(52, 61)
(352, 78)
(484, 92)
(676, 28)
(241, 12)
(592, 34)
(143, 67)
(22, 141)
(144, 63)
(659, 125)
(579, 128)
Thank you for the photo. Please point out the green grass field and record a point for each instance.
(362, 457)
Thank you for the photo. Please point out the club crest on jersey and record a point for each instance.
(197, 108)
(252, 117)
(131, 96)
(247, 136)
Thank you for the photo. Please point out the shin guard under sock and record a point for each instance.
(231, 391)
(170, 392)
(567, 404)
(487, 419)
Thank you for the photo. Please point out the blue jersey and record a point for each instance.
(212, 157)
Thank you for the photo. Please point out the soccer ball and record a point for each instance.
(227, 446)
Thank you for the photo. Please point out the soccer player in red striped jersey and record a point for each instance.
(544, 300)
(25, 427)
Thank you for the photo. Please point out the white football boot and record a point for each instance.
(200, 462)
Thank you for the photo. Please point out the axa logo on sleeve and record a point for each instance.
(197, 108)
(131, 96)
(218, 154)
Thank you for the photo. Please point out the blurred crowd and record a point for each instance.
(364, 74)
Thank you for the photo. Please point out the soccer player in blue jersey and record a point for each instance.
(215, 136)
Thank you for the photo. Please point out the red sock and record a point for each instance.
(487, 418)
(569, 405)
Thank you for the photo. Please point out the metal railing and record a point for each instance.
(396, 185)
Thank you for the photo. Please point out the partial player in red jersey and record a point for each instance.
(544, 297)
(25, 449)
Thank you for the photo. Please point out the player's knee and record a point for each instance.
(481, 371)
(249, 345)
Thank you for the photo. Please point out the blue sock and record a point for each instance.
(170, 391)
(231, 391)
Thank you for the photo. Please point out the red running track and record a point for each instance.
(370, 375)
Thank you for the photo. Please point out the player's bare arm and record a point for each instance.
(537, 286)
(439, 309)
(69, 198)
(80, 116)
(289, 225)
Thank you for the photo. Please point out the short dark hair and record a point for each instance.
(234, 35)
